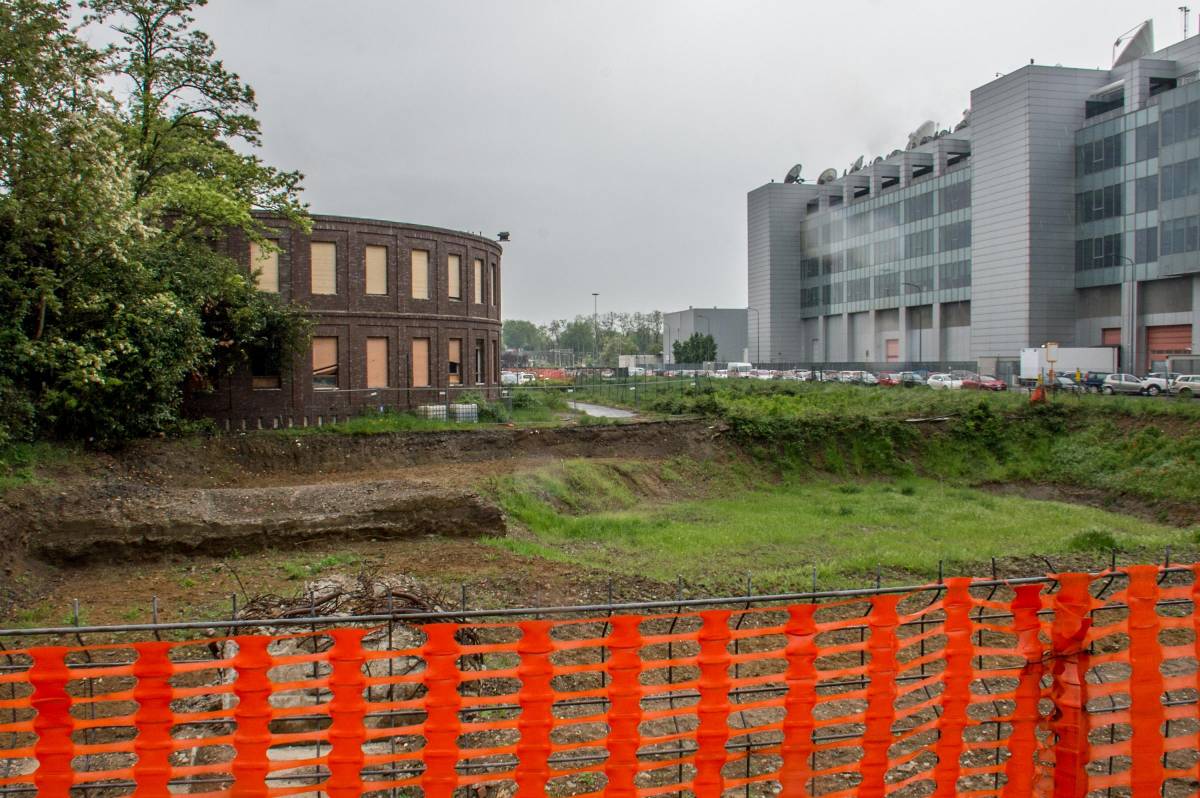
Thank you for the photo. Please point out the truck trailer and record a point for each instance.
(1065, 361)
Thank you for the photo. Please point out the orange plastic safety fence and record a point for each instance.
(1087, 684)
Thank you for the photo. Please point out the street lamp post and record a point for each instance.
(920, 330)
(757, 335)
(1132, 364)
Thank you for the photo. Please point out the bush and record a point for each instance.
(1092, 540)
(489, 412)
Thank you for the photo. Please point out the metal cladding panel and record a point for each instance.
(774, 212)
(1022, 201)
(1057, 102)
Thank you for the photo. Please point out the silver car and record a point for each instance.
(1186, 386)
(1121, 383)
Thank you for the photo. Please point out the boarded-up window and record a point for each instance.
(478, 282)
(420, 274)
(420, 362)
(325, 363)
(480, 376)
(264, 264)
(377, 362)
(454, 359)
(324, 267)
(454, 276)
(376, 265)
(492, 286)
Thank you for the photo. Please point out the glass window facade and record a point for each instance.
(904, 235)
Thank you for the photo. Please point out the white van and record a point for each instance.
(739, 369)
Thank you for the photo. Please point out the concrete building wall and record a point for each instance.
(727, 326)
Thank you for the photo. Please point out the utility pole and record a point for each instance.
(1185, 11)
(595, 327)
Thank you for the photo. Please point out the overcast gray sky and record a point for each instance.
(617, 140)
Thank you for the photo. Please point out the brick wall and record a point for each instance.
(351, 315)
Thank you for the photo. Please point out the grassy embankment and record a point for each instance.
(840, 478)
(735, 520)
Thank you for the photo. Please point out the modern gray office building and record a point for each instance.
(1064, 207)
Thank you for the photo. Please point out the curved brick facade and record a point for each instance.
(364, 310)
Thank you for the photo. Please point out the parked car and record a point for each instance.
(983, 382)
(911, 379)
(1093, 381)
(1186, 386)
(860, 377)
(889, 379)
(1121, 383)
(1157, 382)
(944, 382)
(1066, 385)
(509, 378)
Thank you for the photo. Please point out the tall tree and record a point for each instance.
(520, 334)
(185, 111)
(110, 295)
(695, 349)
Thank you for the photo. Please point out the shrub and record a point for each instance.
(1092, 540)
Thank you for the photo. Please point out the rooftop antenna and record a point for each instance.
(1185, 11)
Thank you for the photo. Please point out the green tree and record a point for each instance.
(111, 294)
(184, 113)
(578, 335)
(520, 334)
(695, 349)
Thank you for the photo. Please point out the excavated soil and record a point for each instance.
(280, 491)
(282, 458)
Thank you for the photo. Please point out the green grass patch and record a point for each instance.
(779, 532)
(20, 463)
(298, 570)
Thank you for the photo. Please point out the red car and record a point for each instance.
(889, 379)
(977, 382)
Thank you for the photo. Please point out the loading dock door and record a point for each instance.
(1171, 339)
(893, 350)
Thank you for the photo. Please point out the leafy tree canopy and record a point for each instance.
(111, 295)
(695, 349)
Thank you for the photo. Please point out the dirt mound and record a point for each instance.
(282, 458)
(129, 521)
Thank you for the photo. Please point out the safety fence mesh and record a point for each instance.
(1075, 685)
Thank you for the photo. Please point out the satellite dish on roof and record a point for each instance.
(894, 153)
(1139, 43)
(921, 134)
(966, 120)
(793, 175)
(857, 164)
(828, 176)
(878, 159)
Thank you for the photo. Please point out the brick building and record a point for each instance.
(403, 315)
